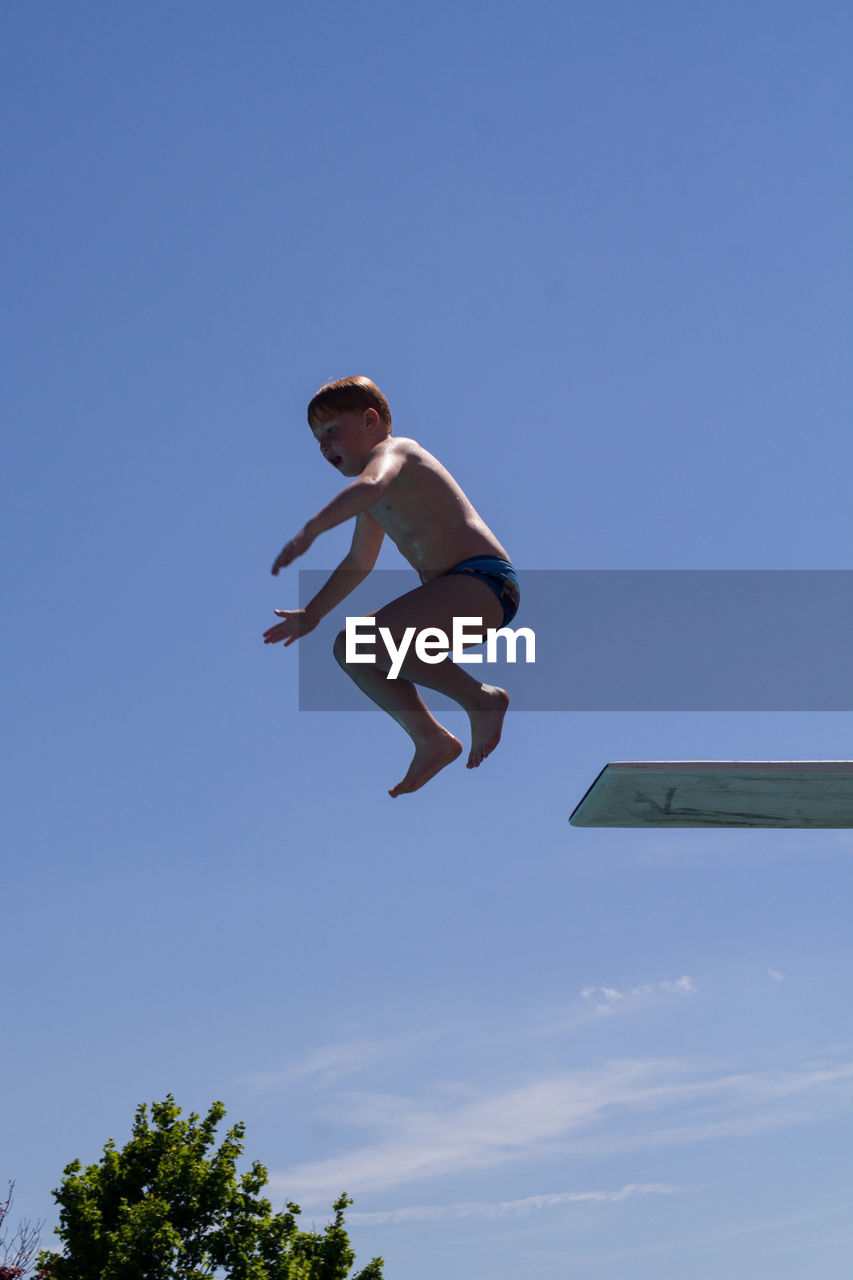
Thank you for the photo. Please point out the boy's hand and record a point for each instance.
(296, 623)
(296, 547)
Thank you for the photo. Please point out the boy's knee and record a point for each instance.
(380, 660)
(339, 648)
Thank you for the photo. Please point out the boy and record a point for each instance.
(403, 491)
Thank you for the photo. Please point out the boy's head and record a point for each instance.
(345, 395)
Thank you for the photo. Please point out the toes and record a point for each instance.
(476, 758)
(426, 765)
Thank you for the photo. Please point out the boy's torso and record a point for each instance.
(428, 517)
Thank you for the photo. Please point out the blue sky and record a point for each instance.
(597, 255)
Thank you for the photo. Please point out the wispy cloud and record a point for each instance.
(617, 1105)
(785, 1240)
(505, 1208)
(429, 1140)
(775, 975)
(330, 1063)
(333, 1062)
(595, 1003)
(610, 1000)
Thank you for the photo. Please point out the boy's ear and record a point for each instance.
(371, 417)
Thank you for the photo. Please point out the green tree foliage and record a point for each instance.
(167, 1207)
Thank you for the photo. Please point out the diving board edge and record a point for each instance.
(798, 794)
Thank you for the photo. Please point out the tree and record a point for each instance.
(17, 1250)
(164, 1208)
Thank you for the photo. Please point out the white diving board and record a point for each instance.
(719, 793)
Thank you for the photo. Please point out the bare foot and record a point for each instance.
(429, 758)
(486, 723)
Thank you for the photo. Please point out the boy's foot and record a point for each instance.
(486, 723)
(429, 758)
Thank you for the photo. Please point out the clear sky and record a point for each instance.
(597, 255)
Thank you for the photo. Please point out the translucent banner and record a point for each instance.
(634, 640)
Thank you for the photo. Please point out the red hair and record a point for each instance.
(347, 394)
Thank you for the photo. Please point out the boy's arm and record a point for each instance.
(356, 565)
(353, 569)
(382, 467)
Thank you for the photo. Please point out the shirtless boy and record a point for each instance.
(403, 491)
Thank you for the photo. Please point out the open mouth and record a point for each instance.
(336, 460)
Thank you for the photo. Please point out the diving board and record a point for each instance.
(719, 793)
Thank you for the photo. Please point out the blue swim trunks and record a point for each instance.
(497, 574)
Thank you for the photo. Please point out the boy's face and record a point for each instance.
(346, 438)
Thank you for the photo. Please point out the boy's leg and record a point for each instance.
(435, 746)
(435, 604)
